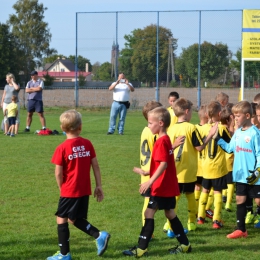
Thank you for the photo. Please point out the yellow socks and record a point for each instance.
(217, 206)
(202, 204)
(146, 200)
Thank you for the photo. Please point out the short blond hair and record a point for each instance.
(180, 105)
(257, 98)
(162, 114)
(150, 106)
(213, 109)
(221, 96)
(70, 120)
(243, 107)
(10, 75)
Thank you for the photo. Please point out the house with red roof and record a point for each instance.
(63, 70)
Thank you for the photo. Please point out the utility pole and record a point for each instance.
(170, 63)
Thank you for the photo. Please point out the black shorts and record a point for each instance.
(218, 184)
(251, 191)
(229, 178)
(35, 106)
(11, 120)
(199, 180)
(187, 187)
(73, 208)
(160, 203)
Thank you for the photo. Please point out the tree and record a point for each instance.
(138, 58)
(51, 58)
(214, 60)
(81, 62)
(48, 80)
(9, 54)
(30, 32)
(103, 72)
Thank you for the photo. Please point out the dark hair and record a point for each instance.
(174, 94)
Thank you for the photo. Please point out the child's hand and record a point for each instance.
(140, 171)
(144, 187)
(98, 193)
(178, 141)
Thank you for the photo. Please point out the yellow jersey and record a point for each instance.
(214, 164)
(186, 156)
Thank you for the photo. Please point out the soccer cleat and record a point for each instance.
(209, 213)
(26, 130)
(166, 227)
(109, 133)
(250, 217)
(59, 256)
(191, 226)
(200, 221)
(237, 234)
(180, 249)
(228, 207)
(12, 135)
(217, 224)
(8, 134)
(224, 199)
(171, 234)
(102, 242)
(136, 252)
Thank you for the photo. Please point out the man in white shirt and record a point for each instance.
(121, 95)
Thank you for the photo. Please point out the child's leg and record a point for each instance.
(146, 200)
(63, 235)
(217, 205)
(230, 192)
(202, 203)
(224, 195)
(241, 212)
(83, 225)
(197, 193)
(177, 227)
(12, 129)
(192, 208)
(147, 230)
(175, 210)
(210, 199)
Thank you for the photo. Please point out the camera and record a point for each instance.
(122, 80)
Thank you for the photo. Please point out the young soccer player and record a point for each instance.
(222, 98)
(203, 120)
(214, 168)
(146, 146)
(186, 155)
(164, 187)
(73, 160)
(11, 112)
(173, 96)
(226, 120)
(245, 144)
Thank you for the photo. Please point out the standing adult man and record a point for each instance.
(34, 89)
(121, 94)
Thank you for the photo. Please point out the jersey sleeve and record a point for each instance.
(196, 138)
(57, 158)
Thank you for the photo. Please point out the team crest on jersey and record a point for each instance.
(247, 139)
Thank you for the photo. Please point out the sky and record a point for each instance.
(97, 22)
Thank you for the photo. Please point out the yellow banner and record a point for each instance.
(251, 34)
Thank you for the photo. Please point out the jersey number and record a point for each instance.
(146, 152)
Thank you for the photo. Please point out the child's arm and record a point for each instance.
(140, 171)
(98, 193)
(59, 175)
(213, 131)
(178, 141)
(146, 185)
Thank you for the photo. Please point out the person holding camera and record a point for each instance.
(121, 94)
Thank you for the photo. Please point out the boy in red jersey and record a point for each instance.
(164, 187)
(73, 159)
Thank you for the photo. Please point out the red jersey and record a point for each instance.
(75, 156)
(167, 184)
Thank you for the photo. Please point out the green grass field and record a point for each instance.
(29, 197)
